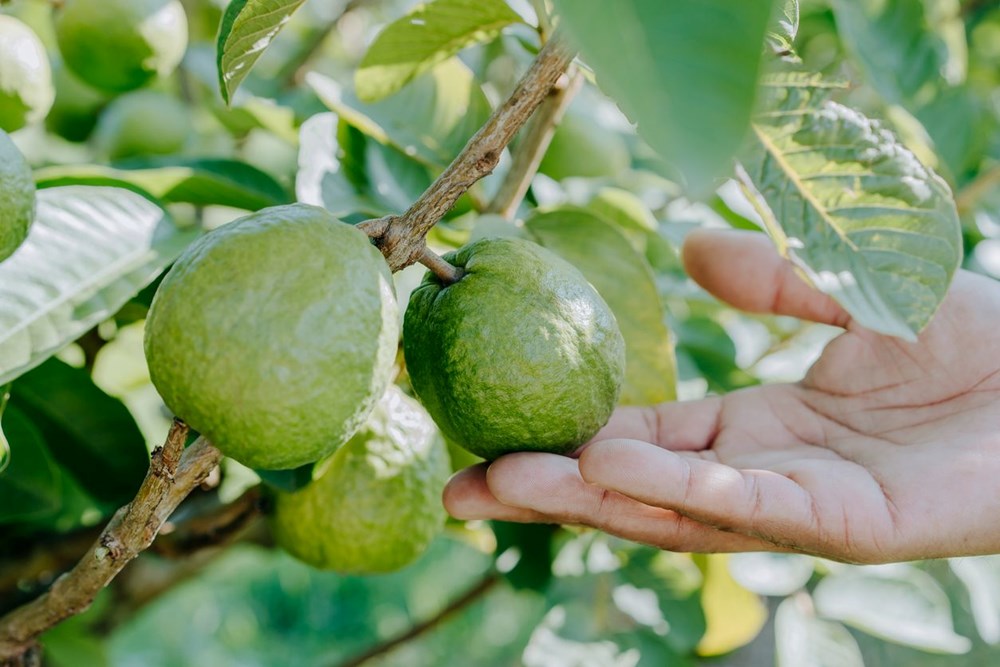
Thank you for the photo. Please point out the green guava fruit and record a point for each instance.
(582, 148)
(120, 45)
(521, 354)
(275, 335)
(146, 122)
(26, 92)
(17, 197)
(77, 107)
(375, 505)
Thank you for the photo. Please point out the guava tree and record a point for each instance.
(214, 223)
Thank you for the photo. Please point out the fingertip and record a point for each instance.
(615, 457)
(466, 495)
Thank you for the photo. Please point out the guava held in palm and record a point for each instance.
(275, 335)
(520, 354)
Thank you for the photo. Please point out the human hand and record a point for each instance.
(886, 451)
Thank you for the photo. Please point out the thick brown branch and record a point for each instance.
(173, 473)
(401, 238)
(531, 149)
(476, 591)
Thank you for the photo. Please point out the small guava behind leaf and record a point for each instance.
(17, 197)
(375, 505)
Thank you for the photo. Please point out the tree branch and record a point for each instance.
(173, 473)
(476, 591)
(401, 237)
(531, 149)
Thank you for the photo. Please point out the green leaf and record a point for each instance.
(89, 251)
(782, 36)
(981, 577)
(246, 30)
(623, 277)
(203, 182)
(685, 71)
(532, 543)
(900, 604)
(771, 573)
(429, 34)
(852, 208)
(430, 120)
(802, 640)
(90, 434)
(900, 49)
(287, 480)
(30, 487)
(676, 581)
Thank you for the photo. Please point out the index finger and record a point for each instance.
(690, 425)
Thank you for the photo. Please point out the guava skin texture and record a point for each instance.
(375, 505)
(26, 92)
(275, 335)
(120, 45)
(521, 354)
(17, 197)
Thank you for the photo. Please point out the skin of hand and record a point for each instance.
(886, 451)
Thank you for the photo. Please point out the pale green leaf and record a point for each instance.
(901, 47)
(246, 30)
(771, 573)
(204, 182)
(623, 277)
(430, 120)
(802, 640)
(902, 605)
(429, 34)
(89, 251)
(981, 577)
(853, 209)
(785, 26)
(685, 71)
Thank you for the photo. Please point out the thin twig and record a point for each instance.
(969, 196)
(173, 473)
(476, 591)
(446, 273)
(531, 149)
(401, 238)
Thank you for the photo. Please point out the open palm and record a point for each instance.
(885, 451)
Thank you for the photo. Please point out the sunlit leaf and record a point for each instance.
(623, 277)
(685, 71)
(785, 26)
(981, 577)
(908, 608)
(854, 210)
(89, 251)
(803, 640)
(771, 573)
(429, 34)
(247, 29)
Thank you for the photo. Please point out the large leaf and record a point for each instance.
(981, 577)
(246, 30)
(426, 36)
(900, 46)
(623, 277)
(803, 640)
(30, 487)
(853, 209)
(685, 71)
(90, 250)
(89, 433)
(430, 120)
(904, 605)
(203, 182)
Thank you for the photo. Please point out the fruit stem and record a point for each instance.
(446, 273)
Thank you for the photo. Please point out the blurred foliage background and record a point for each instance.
(531, 595)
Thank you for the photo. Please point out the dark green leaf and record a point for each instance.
(431, 33)
(533, 543)
(90, 250)
(30, 486)
(203, 182)
(246, 30)
(685, 71)
(89, 433)
(853, 209)
(287, 480)
(676, 582)
(623, 277)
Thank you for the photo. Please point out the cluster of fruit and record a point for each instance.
(275, 336)
(108, 50)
